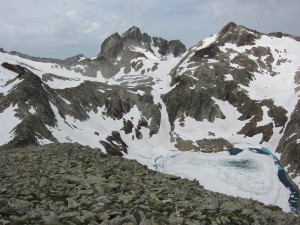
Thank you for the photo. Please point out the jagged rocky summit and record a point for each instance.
(144, 96)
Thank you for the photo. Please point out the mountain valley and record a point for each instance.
(174, 109)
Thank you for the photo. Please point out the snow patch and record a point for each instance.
(8, 122)
(228, 77)
(147, 53)
(32, 110)
(193, 87)
(265, 119)
(205, 42)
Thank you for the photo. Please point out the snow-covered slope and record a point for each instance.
(261, 73)
(144, 97)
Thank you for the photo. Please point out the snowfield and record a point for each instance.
(248, 174)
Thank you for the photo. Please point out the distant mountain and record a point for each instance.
(144, 96)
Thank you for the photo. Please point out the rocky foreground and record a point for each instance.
(74, 184)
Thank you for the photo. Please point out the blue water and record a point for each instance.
(294, 195)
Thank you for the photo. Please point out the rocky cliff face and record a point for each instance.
(289, 143)
(119, 51)
(143, 96)
(77, 102)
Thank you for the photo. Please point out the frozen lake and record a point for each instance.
(245, 174)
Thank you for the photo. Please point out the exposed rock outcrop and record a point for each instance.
(289, 145)
(118, 51)
(29, 94)
(112, 46)
(237, 34)
(114, 144)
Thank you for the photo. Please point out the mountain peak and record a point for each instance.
(133, 33)
(229, 26)
(134, 29)
(237, 34)
(112, 45)
(133, 37)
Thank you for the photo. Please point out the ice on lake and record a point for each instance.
(248, 174)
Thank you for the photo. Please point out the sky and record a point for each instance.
(64, 28)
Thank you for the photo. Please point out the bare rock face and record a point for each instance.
(210, 51)
(237, 34)
(289, 143)
(176, 47)
(112, 46)
(114, 144)
(134, 37)
(117, 45)
(15, 68)
(204, 145)
(29, 93)
(280, 35)
(118, 51)
(195, 103)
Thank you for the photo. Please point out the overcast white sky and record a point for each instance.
(63, 28)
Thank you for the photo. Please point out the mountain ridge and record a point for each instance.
(144, 96)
